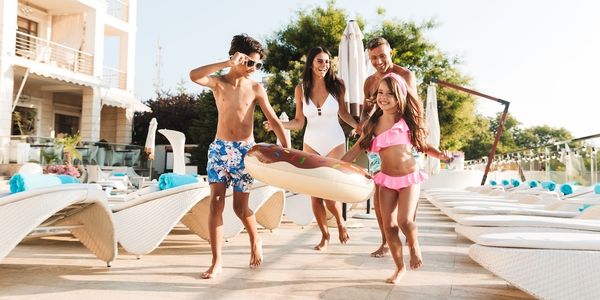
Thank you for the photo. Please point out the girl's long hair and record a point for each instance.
(410, 109)
(332, 83)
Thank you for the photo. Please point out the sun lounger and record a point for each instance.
(79, 208)
(544, 273)
(266, 201)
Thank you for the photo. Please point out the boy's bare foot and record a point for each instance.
(212, 272)
(343, 232)
(323, 244)
(416, 261)
(381, 252)
(256, 255)
(395, 278)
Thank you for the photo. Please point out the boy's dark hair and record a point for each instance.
(376, 42)
(245, 44)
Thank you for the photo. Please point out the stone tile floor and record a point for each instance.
(59, 267)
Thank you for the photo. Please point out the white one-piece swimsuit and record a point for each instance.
(323, 131)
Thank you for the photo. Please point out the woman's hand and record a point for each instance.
(446, 156)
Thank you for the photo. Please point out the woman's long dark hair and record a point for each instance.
(332, 83)
(411, 111)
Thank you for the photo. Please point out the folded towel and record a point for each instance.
(171, 180)
(549, 185)
(515, 182)
(493, 182)
(64, 179)
(566, 189)
(533, 183)
(24, 182)
(505, 182)
(597, 188)
(119, 174)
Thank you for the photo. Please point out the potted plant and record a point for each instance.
(69, 143)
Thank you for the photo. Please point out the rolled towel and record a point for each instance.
(515, 182)
(566, 189)
(549, 185)
(533, 183)
(65, 179)
(584, 207)
(505, 182)
(493, 182)
(171, 180)
(24, 182)
(597, 188)
(119, 174)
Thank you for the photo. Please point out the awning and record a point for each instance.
(122, 99)
(53, 72)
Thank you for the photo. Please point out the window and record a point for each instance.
(23, 121)
(66, 124)
(27, 30)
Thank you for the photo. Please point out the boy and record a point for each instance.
(236, 96)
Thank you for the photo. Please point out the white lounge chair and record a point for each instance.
(144, 220)
(79, 208)
(544, 273)
(266, 201)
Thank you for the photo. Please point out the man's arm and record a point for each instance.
(411, 80)
(201, 75)
(267, 109)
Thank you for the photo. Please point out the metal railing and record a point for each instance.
(114, 78)
(51, 53)
(118, 9)
(570, 161)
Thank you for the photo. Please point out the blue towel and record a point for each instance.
(171, 180)
(493, 182)
(597, 188)
(533, 183)
(515, 182)
(24, 182)
(64, 179)
(566, 189)
(549, 185)
(505, 182)
(119, 174)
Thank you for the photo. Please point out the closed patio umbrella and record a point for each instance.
(432, 123)
(352, 67)
(150, 143)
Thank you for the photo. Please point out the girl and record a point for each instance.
(394, 128)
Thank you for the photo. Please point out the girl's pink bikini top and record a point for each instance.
(397, 135)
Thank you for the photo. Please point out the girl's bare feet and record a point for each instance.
(395, 278)
(212, 272)
(343, 232)
(323, 244)
(256, 255)
(381, 252)
(416, 261)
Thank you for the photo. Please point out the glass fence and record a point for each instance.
(573, 161)
(46, 151)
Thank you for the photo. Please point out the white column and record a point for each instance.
(124, 125)
(90, 114)
(8, 31)
(129, 43)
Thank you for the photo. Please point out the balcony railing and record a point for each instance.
(118, 9)
(48, 52)
(114, 78)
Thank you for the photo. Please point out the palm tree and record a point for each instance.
(69, 143)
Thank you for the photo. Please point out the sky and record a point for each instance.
(541, 56)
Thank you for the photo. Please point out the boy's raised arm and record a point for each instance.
(201, 75)
(267, 109)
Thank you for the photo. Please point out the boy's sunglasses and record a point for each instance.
(250, 63)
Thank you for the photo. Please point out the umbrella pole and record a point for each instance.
(150, 170)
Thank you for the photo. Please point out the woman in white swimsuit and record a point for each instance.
(320, 99)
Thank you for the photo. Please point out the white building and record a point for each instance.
(55, 69)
